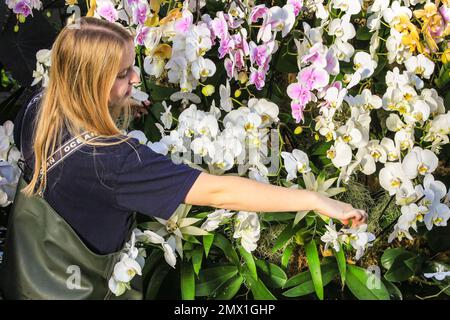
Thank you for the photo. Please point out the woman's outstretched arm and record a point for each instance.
(236, 193)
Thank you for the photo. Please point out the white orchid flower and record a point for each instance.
(117, 287)
(370, 155)
(392, 177)
(139, 135)
(358, 238)
(393, 152)
(350, 7)
(203, 68)
(342, 28)
(394, 122)
(364, 67)
(399, 233)
(247, 228)
(216, 218)
(344, 51)
(226, 103)
(420, 65)
(419, 161)
(203, 146)
(126, 269)
(331, 237)
(404, 138)
(297, 161)
(267, 110)
(340, 154)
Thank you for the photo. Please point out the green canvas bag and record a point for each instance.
(43, 253)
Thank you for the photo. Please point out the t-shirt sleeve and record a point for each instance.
(151, 183)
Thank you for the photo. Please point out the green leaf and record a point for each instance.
(286, 235)
(393, 290)
(394, 260)
(210, 279)
(225, 245)
(249, 261)
(342, 263)
(159, 93)
(258, 288)
(303, 284)
(187, 281)
(277, 216)
(390, 255)
(312, 257)
(207, 242)
(415, 263)
(228, 289)
(272, 274)
(357, 280)
(156, 280)
(287, 255)
(197, 257)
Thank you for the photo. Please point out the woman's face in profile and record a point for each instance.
(126, 77)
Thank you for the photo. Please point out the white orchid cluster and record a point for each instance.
(131, 262)
(9, 171)
(244, 139)
(432, 208)
(357, 238)
(246, 226)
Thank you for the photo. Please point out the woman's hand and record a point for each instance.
(342, 211)
(139, 109)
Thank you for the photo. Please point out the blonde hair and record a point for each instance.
(84, 64)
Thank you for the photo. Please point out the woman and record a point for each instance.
(91, 189)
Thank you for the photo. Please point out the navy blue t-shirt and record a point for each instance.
(97, 188)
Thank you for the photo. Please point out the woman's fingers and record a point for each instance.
(357, 217)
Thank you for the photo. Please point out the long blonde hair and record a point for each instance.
(85, 61)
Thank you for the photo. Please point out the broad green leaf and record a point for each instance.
(364, 286)
(272, 274)
(394, 261)
(249, 261)
(197, 257)
(207, 242)
(258, 288)
(225, 245)
(389, 256)
(155, 258)
(156, 280)
(314, 267)
(187, 281)
(341, 262)
(210, 279)
(287, 255)
(302, 283)
(393, 290)
(415, 263)
(229, 288)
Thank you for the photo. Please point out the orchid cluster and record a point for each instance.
(130, 264)
(246, 226)
(358, 238)
(9, 170)
(243, 140)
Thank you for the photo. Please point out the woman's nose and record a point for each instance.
(134, 77)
